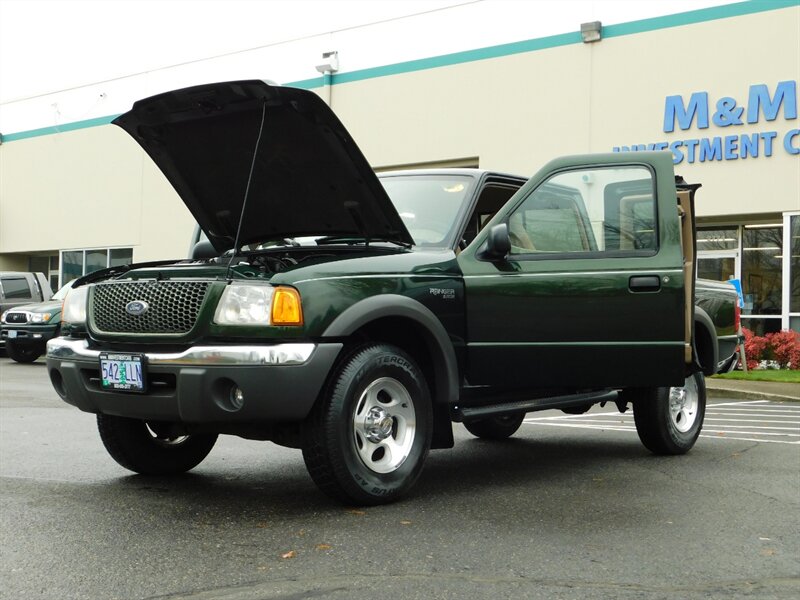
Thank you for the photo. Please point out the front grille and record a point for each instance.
(17, 317)
(173, 306)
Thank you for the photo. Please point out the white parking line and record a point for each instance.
(759, 427)
(743, 403)
(752, 421)
(744, 439)
(723, 431)
(751, 415)
(778, 421)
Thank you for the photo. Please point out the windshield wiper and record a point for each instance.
(358, 239)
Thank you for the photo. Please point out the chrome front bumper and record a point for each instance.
(278, 354)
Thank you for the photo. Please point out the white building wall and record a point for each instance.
(70, 185)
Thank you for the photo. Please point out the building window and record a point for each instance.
(48, 265)
(792, 269)
(120, 256)
(762, 269)
(766, 259)
(794, 266)
(53, 272)
(76, 263)
(718, 238)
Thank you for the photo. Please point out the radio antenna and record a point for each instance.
(247, 189)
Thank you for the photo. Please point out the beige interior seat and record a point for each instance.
(517, 233)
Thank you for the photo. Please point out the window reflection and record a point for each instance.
(717, 238)
(794, 268)
(761, 326)
(762, 270)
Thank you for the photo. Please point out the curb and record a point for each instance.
(738, 394)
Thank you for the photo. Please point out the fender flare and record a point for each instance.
(445, 365)
(702, 319)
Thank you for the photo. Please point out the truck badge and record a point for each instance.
(136, 308)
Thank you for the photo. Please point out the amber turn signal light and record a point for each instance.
(286, 308)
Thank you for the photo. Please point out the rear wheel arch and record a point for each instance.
(706, 350)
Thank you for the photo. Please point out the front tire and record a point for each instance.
(669, 420)
(495, 428)
(149, 449)
(369, 434)
(22, 354)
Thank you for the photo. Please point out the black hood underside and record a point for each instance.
(309, 177)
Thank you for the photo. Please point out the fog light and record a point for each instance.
(236, 398)
(37, 335)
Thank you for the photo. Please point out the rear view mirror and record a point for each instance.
(498, 244)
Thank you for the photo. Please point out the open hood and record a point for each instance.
(309, 177)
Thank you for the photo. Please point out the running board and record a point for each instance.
(497, 410)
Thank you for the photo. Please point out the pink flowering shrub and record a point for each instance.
(755, 348)
(783, 347)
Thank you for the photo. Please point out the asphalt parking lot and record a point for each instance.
(571, 507)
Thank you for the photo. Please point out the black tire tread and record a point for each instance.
(649, 409)
(131, 446)
(495, 428)
(327, 469)
(21, 355)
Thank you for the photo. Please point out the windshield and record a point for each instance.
(428, 204)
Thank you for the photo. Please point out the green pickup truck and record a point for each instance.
(357, 318)
(25, 329)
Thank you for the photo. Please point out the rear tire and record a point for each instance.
(369, 433)
(669, 420)
(495, 428)
(139, 447)
(22, 354)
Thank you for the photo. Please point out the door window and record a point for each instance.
(600, 211)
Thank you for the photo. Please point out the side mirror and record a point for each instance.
(203, 250)
(498, 244)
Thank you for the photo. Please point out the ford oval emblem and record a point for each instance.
(136, 308)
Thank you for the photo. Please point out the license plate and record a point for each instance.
(12, 333)
(122, 372)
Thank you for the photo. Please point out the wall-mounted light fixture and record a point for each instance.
(330, 62)
(591, 32)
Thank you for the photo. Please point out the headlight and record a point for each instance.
(40, 317)
(74, 310)
(244, 304)
(3, 316)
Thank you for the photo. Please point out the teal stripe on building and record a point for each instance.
(553, 41)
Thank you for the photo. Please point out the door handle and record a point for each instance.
(644, 283)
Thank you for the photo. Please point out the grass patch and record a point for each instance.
(781, 376)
